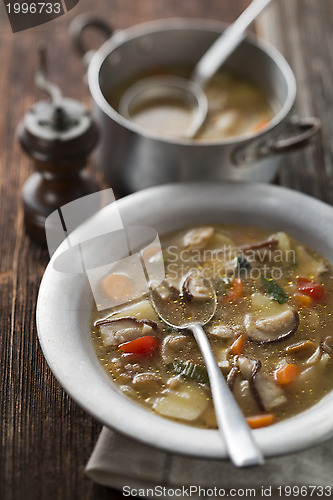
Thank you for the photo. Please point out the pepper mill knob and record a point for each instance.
(58, 134)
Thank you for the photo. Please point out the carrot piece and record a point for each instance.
(286, 373)
(118, 287)
(143, 345)
(303, 300)
(236, 291)
(260, 125)
(257, 421)
(238, 346)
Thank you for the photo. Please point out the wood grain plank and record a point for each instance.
(302, 30)
(46, 438)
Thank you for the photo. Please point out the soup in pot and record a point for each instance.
(271, 332)
(236, 107)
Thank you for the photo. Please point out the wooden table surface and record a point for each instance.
(46, 438)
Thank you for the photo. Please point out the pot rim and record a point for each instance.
(146, 28)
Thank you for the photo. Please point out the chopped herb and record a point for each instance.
(243, 264)
(274, 290)
(191, 371)
(169, 330)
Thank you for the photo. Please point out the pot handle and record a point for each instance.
(77, 27)
(305, 129)
(298, 132)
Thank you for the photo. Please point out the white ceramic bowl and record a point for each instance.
(65, 302)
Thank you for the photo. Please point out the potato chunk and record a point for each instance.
(187, 403)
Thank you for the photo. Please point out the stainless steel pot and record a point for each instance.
(132, 158)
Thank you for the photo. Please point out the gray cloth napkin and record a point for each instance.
(119, 462)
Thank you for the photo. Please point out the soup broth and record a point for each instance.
(236, 107)
(271, 333)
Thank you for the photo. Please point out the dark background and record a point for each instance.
(46, 438)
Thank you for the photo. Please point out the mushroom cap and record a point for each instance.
(327, 345)
(117, 330)
(194, 288)
(273, 328)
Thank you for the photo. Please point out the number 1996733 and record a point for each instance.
(34, 8)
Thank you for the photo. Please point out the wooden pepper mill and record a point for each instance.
(58, 134)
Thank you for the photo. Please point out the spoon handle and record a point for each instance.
(226, 43)
(237, 434)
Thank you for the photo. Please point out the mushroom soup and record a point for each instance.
(236, 106)
(272, 333)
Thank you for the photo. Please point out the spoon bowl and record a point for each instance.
(165, 89)
(184, 311)
(180, 312)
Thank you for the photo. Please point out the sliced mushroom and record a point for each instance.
(315, 358)
(250, 251)
(119, 330)
(325, 350)
(223, 331)
(199, 237)
(327, 345)
(266, 393)
(166, 290)
(232, 377)
(270, 244)
(244, 395)
(307, 379)
(194, 288)
(273, 328)
(249, 368)
(270, 393)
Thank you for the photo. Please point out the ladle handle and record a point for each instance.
(226, 43)
(237, 434)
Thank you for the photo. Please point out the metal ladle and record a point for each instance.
(191, 91)
(237, 435)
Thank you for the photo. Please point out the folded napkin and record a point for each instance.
(124, 464)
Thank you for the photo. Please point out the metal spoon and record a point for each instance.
(185, 91)
(241, 446)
